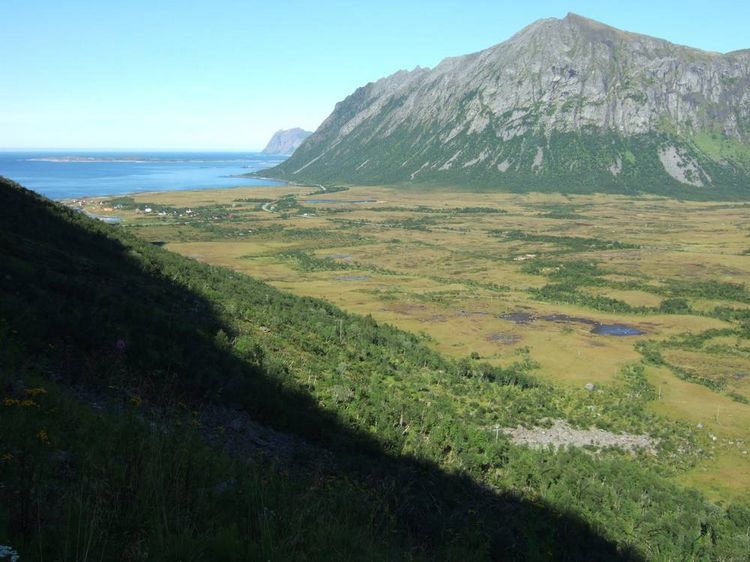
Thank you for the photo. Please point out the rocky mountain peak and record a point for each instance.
(571, 101)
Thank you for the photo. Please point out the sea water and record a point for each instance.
(74, 174)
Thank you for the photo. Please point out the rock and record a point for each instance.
(562, 434)
(8, 554)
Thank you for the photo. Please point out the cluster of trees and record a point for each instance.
(568, 277)
(651, 351)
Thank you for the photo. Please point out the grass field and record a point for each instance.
(493, 273)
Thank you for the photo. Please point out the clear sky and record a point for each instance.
(225, 74)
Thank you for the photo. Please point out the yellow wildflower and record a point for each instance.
(22, 403)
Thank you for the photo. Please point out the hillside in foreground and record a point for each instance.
(569, 105)
(140, 389)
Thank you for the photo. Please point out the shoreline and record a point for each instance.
(64, 175)
(278, 183)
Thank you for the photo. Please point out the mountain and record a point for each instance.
(286, 141)
(564, 105)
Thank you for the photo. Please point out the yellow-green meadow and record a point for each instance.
(492, 273)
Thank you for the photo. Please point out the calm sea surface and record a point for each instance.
(65, 174)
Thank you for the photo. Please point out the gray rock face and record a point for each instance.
(563, 97)
(286, 141)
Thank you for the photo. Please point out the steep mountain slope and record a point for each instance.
(568, 104)
(286, 141)
(115, 357)
(114, 351)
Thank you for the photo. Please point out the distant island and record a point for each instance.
(91, 159)
(286, 141)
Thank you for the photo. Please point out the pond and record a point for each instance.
(519, 317)
(618, 330)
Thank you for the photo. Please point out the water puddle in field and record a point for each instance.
(617, 330)
(565, 319)
(109, 219)
(518, 317)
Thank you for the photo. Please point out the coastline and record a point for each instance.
(97, 207)
(66, 175)
(278, 183)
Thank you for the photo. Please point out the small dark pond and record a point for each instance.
(519, 317)
(565, 319)
(104, 218)
(616, 330)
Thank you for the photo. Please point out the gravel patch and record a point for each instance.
(562, 434)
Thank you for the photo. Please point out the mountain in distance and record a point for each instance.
(285, 141)
(564, 105)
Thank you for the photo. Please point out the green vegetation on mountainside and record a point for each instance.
(580, 162)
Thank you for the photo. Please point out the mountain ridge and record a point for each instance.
(564, 104)
(286, 141)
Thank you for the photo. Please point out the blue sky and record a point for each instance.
(226, 74)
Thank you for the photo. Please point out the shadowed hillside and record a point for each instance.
(112, 351)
